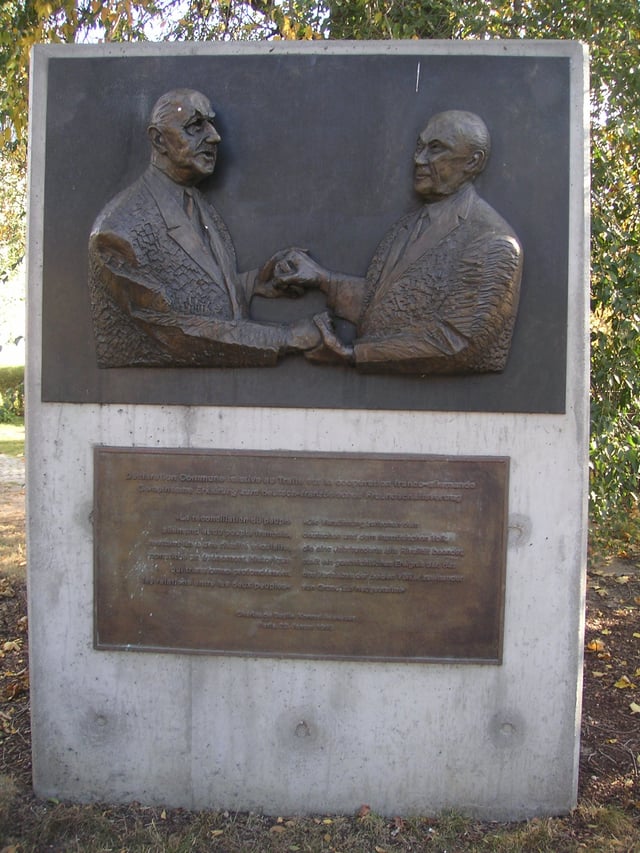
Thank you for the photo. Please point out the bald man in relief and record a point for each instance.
(165, 288)
(441, 293)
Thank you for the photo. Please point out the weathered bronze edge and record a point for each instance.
(206, 451)
(497, 661)
(95, 517)
(292, 656)
(502, 587)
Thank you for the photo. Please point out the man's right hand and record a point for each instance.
(296, 266)
(303, 335)
(332, 349)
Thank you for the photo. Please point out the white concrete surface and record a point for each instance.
(198, 731)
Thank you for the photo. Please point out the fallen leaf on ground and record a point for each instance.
(363, 811)
(595, 646)
(623, 682)
(16, 688)
(635, 708)
(6, 590)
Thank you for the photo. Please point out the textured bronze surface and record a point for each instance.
(441, 293)
(165, 288)
(300, 555)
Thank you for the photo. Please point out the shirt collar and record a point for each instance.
(459, 202)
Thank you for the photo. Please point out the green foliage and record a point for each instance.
(253, 19)
(611, 28)
(11, 394)
(12, 211)
(391, 19)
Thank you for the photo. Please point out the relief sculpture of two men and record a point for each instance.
(440, 295)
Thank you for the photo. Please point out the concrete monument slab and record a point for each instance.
(272, 733)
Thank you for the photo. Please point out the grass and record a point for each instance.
(12, 438)
(96, 828)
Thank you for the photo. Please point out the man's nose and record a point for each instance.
(421, 158)
(212, 134)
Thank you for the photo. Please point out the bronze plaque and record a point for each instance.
(300, 554)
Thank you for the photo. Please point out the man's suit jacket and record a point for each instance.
(165, 288)
(443, 299)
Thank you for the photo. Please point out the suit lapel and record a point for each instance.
(434, 233)
(219, 250)
(397, 246)
(402, 256)
(213, 259)
(179, 227)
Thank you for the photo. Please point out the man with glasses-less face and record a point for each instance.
(165, 289)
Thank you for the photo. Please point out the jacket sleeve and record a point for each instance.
(467, 327)
(187, 338)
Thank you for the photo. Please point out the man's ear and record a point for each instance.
(476, 163)
(157, 139)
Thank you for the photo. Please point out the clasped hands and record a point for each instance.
(291, 272)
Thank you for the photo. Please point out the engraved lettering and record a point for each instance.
(393, 558)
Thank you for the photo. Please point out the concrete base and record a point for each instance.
(499, 742)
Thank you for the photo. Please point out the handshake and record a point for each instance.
(290, 272)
